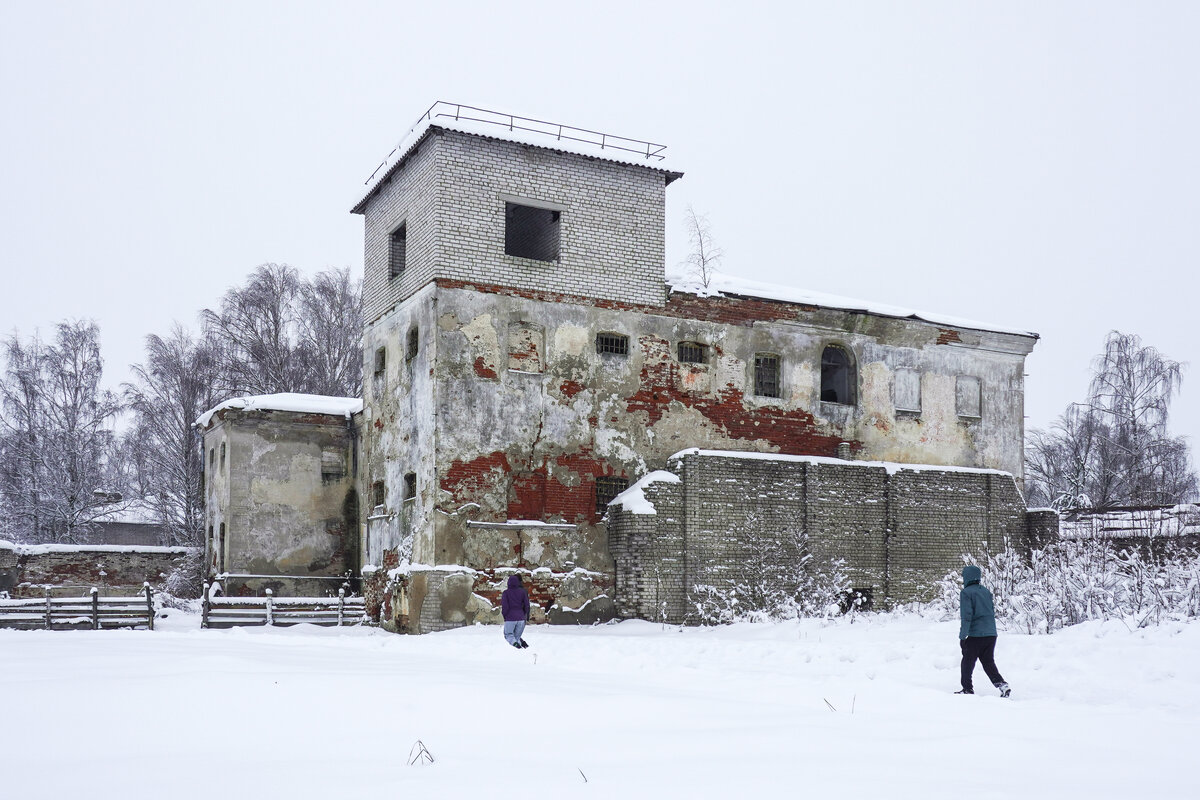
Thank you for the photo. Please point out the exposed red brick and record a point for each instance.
(466, 479)
(483, 370)
(570, 389)
(946, 336)
(793, 431)
(529, 496)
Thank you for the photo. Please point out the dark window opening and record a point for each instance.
(531, 232)
(212, 457)
(222, 456)
(221, 550)
(837, 376)
(615, 343)
(380, 362)
(410, 486)
(397, 250)
(377, 494)
(413, 341)
(693, 353)
(766, 375)
(606, 489)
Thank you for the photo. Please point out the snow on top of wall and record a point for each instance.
(1180, 520)
(130, 512)
(289, 401)
(721, 284)
(43, 549)
(494, 131)
(892, 467)
(634, 499)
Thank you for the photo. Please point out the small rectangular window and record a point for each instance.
(766, 375)
(693, 353)
(906, 390)
(222, 456)
(967, 398)
(333, 465)
(413, 342)
(377, 494)
(614, 343)
(397, 250)
(606, 489)
(531, 232)
(380, 362)
(410, 486)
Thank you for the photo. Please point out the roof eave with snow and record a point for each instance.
(344, 407)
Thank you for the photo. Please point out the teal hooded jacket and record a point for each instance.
(975, 606)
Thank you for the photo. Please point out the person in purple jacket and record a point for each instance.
(514, 603)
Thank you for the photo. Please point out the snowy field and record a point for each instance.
(812, 709)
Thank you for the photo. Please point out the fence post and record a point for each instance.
(341, 605)
(270, 610)
(204, 607)
(47, 606)
(95, 609)
(149, 605)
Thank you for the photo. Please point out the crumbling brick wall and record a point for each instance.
(25, 570)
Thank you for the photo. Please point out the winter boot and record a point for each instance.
(517, 645)
(524, 643)
(965, 691)
(1005, 691)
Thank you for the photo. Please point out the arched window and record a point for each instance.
(837, 376)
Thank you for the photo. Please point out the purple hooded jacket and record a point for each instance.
(515, 601)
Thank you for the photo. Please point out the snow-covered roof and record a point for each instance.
(721, 284)
(634, 499)
(892, 467)
(289, 401)
(130, 512)
(562, 143)
(1180, 520)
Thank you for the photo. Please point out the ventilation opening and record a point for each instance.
(614, 343)
(693, 353)
(766, 375)
(397, 250)
(837, 376)
(606, 489)
(413, 341)
(531, 232)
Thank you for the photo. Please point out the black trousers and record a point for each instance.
(983, 649)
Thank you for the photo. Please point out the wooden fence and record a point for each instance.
(86, 613)
(229, 612)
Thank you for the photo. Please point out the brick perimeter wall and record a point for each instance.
(735, 520)
(73, 571)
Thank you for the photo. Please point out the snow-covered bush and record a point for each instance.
(1071, 582)
(802, 588)
(185, 580)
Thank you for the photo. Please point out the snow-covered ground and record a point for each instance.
(810, 709)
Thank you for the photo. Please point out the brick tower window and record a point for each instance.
(397, 250)
(606, 489)
(532, 232)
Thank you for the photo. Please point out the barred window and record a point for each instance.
(615, 343)
(606, 489)
(766, 375)
(692, 353)
(397, 250)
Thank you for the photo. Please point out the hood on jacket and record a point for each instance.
(514, 582)
(971, 574)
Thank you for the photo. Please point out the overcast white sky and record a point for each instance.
(1025, 164)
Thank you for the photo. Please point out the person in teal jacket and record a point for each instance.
(977, 633)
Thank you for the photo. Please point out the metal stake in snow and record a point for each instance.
(419, 754)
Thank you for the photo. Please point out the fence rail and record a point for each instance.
(230, 612)
(87, 613)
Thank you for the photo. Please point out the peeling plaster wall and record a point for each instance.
(284, 515)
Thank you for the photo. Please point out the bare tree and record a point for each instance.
(280, 333)
(58, 432)
(174, 386)
(1115, 449)
(705, 256)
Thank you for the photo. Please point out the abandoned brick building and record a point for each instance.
(527, 360)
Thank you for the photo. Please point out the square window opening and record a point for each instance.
(766, 375)
(693, 353)
(608, 487)
(397, 250)
(532, 232)
(612, 343)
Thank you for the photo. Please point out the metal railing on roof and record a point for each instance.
(511, 122)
